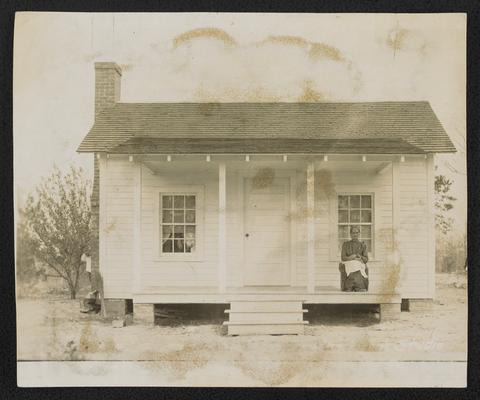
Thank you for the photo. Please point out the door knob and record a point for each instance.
(247, 235)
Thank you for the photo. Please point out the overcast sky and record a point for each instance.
(229, 57)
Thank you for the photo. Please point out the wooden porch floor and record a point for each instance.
(211, 294)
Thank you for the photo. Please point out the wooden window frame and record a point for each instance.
(194, 190)
(358, 224)
(351, 190)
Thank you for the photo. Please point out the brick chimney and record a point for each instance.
(107, 85)
(107, 92)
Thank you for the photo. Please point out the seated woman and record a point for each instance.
(355, 258)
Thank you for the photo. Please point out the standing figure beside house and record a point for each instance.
(89, 302)
(88, 265)
(355, 258)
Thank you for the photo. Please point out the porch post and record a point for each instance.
(430, 164)
(396, 219)
(137, 227)
(311, 227)
(222, 229)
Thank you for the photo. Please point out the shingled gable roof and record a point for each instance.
(180, 128)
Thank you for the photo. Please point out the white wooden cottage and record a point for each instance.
(249, 203)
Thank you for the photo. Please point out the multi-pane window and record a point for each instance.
(178, 223)
(355, 210)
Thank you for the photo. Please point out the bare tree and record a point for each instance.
(58, 221)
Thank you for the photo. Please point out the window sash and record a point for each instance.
(178, 242)
(365, 202)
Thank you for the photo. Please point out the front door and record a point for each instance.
(267, 232)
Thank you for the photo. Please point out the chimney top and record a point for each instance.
(107, 85)
(108, 65)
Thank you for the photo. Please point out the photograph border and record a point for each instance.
(7, 277)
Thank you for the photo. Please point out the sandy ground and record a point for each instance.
(54, 329)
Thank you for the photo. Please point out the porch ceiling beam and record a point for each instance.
(291, 157)
(311, 227)
(151, 168)
(382, 168)
(222, 228)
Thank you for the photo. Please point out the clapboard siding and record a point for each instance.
(158, 272)
(326, 189)
(413, 230)
(118, 232)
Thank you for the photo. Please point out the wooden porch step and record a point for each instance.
(265, 318)
(265, 306)
(274, 317)
(266, 329)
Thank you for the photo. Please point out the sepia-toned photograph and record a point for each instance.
(249, 200)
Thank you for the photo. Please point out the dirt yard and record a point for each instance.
(54, 329)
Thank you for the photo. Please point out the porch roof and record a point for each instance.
(179, 128)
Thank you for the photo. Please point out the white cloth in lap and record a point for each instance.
(353, 266)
